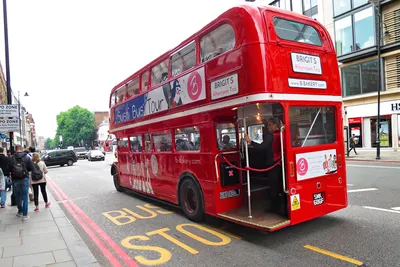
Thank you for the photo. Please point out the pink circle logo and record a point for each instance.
(302, 166)
(194, 86)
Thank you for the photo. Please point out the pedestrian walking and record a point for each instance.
(5, 166)
(3, 192)
(21, 166)
(352, 144)
(38, 179)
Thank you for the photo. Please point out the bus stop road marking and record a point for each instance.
(223, 231)
(374, 208)
(362, 190)
(336, 256)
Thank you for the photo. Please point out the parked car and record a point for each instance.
(96, 155)
(60, 157)
(81, 152)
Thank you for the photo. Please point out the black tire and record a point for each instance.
(116, 183)
(191, 200)
(70, 162)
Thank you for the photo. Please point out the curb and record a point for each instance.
(80, 253)
(375, 161)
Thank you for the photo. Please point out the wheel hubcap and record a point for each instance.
(190, 200)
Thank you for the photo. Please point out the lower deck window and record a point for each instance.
(162, 142)
(226, 136)
(311, 126)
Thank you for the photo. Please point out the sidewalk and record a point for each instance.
(47, 238)
(369, 154)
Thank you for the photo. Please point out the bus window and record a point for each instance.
(312, 126)
(136, 143)
(296, 31)
(145, 81)
(122, 142)
(133, 88)
(183, 60)
(159, 73)
(226, 136)
(256, 132)
(120, 94)
(147, 143)
(162, 142)
(112, 101)
(187, 139)
(217, 42)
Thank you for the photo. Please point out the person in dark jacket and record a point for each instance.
(5, 165)
(21, 184)
(271, 146)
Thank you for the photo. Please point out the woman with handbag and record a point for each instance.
(38, 178)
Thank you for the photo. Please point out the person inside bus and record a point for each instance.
(226, 144)
(271, 146)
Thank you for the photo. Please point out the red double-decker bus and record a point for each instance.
(181, 120)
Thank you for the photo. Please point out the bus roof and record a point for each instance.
(251, 8)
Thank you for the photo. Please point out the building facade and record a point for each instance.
(354, 27)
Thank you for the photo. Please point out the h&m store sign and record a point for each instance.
(396, 107)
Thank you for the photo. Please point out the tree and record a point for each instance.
(75, 125)
(48, 144)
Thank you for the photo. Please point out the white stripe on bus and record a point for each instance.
(235, 102)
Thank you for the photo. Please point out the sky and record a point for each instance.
(73, 52)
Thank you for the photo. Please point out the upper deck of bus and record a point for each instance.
(270, 54)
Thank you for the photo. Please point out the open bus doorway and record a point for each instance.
(265, 202)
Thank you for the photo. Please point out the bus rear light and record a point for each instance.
(318, 185)
(291, 167)
(340, 180)
(339, 160)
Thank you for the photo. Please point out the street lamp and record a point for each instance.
(21, 117)
(377, 5)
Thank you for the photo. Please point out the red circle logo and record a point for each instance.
(302, 166)
(194, 86)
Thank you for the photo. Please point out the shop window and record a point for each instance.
(359, 25)
(159, 73)
(132, 88)
(136, 143)
(183, 60)
(162, 142)
(310, 126)
(187, 139)
(296, 31)
(145, 81)
(217, 42)
(122, 142)
(147, 143)
(342, 6)
(226, 136)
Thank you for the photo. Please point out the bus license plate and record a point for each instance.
(230, 193)
(319, 198)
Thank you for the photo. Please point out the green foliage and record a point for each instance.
(75, 125)
(48, 144)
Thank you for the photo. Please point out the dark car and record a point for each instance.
(81, 152)
(96, 155)
(60, 157)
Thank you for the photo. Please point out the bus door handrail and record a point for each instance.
(282, 129)
(215, 161)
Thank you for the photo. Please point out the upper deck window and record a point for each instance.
(296, 31)
(145, 81)
(217, 42)
(120, 95)
(133, 87)
(183, 60)
(112, 100)
(159, 73)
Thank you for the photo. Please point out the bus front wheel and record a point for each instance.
(191, 200)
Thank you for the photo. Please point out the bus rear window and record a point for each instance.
(311, 126)
(296, 32)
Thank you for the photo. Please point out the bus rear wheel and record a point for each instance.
(191, 200)
(117, 184)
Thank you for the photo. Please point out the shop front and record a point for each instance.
(355, 126)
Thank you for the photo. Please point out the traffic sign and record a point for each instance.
(7, 139)
(3, 136)
(8, 111)
(9, 125)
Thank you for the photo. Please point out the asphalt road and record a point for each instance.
(149, 233)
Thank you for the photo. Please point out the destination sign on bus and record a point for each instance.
(305, 63)
(184, 90)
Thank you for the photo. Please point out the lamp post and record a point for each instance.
(377, 5)
(22, 116)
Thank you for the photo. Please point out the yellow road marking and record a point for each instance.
(334, 255)
(223, 231)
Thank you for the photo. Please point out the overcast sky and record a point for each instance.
(72, 52)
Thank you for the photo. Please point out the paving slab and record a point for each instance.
(62, 255)
(7, 262)
(39, 259)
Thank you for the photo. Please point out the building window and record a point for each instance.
(276, 3)
(361, 26)
(360, 78)
(217, 42)
(310, 8)
(342, 6)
